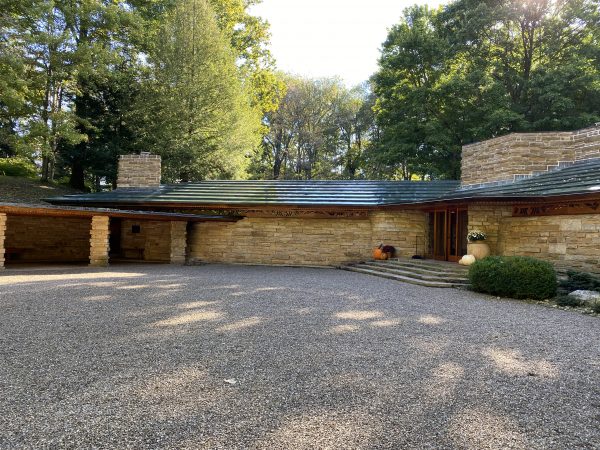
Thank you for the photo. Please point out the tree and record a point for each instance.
(194, 110)
(320, 130)
(411, 65)
(475, 69)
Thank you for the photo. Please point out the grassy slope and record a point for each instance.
(26, 190)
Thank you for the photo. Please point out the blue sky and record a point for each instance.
(324, 38)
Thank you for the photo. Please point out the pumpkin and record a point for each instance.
(377, 253)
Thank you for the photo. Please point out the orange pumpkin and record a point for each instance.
(377, 253)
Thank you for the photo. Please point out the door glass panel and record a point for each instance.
(440, 234)
(430, 235)
(463, 227)
(452, 229)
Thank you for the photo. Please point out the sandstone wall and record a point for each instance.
(401, 229)
(99, 241)
(524, 154)
(567, 241)
(587, 143)
(487, 219)
(304, 241)
(152, 243)
(142, 171)
(48, 238)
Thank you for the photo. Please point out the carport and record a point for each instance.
(50, 234)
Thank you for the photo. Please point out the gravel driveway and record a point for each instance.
(153, 356)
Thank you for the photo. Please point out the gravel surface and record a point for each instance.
(151, 356)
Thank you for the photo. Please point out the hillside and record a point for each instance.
(26, 190)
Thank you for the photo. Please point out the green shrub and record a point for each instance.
(565, 300)
(514, 276)
(17, 167)
(580, 281)
(596, 307)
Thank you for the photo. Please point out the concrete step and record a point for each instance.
(404, 279)
(420, 274)
(418, 268)
(429, 264)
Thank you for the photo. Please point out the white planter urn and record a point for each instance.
(479, 249)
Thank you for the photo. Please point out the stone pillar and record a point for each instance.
(99, 233)
(178, 242)
(2, 236)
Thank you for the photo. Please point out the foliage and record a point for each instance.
(576, 281)
(476, 235)
(515, 277)
(473, 70)
(192, 101)
(566, 300)
(18, 166)
(321, 129)
(76, 80)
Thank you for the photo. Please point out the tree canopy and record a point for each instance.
(475, 69)
(82, 82)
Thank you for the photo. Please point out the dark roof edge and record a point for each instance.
(62, 211)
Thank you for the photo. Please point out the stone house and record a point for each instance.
(534, 194)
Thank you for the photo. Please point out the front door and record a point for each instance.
(449, 229)
(456, 238)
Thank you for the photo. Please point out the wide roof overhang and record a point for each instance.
(20, 209)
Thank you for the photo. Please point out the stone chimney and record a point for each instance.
(139, 171)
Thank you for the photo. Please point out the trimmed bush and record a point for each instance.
(17, 167)
(514, 276)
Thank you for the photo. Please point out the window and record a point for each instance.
(136, 228)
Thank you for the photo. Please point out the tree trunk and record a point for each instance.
(77, 179)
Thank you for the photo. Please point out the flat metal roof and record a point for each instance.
(353, 193)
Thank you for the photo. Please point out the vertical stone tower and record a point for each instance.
(139, 171)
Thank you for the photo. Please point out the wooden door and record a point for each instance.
(456, 234)
(440, 231)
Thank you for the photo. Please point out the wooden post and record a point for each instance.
(99, 247)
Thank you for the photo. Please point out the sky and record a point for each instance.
(326, 38)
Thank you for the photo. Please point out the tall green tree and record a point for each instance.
(194, 109)
(478, 69)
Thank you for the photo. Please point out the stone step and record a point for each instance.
(420, 274)
(421, 268)
(404, 279)
(431, 262)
